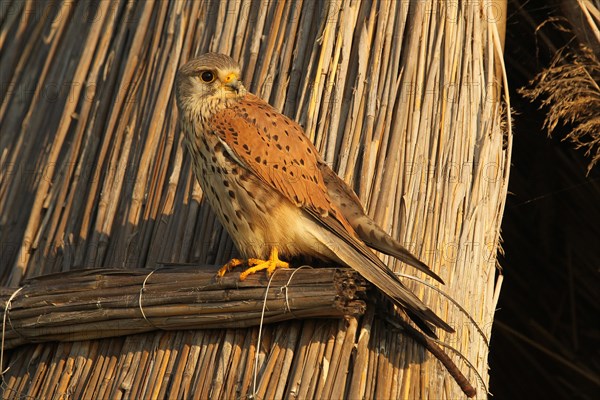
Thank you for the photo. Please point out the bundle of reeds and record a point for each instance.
(98, 303)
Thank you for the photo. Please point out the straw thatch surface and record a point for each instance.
(403, 98)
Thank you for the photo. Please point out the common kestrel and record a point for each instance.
(271, 189)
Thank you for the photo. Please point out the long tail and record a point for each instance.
(357, 256)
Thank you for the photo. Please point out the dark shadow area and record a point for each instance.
(545, 339)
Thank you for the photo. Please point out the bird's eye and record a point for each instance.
(207, 76)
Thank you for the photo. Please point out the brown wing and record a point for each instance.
(275, 148)
(367, 230)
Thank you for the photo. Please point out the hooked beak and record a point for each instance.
(232, 82)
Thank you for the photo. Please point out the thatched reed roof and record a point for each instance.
(403, 98)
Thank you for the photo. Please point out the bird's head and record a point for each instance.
(208, 81)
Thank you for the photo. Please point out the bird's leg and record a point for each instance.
(270, 265)
(234, 262)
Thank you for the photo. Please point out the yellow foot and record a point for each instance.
(270, 265)
(229, 266)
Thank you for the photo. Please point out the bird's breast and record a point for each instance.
(256, 216)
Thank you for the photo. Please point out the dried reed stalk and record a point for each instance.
(570, 89)
(98, 303)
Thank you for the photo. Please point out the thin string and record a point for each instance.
(140, 298)
(260, 328)
(284, 288)
(456, 303)
(465, 312)
(4, 317)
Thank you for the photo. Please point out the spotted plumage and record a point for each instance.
(272, 191)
